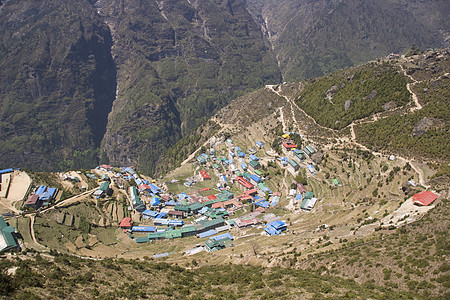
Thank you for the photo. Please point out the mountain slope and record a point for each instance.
(312, 38)
(57, 83)
(178, 62)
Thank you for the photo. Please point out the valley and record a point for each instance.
(286, 194)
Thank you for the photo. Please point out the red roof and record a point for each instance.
(32, 200)
(126, 222)
(244, 182)
(260, 209)
(218, 205)
(204, 190)
(289, 145)
(251, 191)
(175, 213)
(144, 187)
(211, 197)
(245, 197)
(424, 198)
(204, 174)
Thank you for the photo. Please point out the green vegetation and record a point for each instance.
(423, 132)
(362, 90)
(58, 83)
(68, 276)
(412, 258)
(181, 75)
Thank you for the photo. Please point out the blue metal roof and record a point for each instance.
(150, 213)
(176, 222)
(154, 188)
(207, 233)
(272, 231)
(6, 171)
(253, 157)
(160, 221)
(161, 215)
(255, 178)
(41, 189)
(222, 236)
(203, 210)
(154, 201)
(143, 229)
(278, 225)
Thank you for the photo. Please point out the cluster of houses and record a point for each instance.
(294, 157)
(212, 214)
(41, 197)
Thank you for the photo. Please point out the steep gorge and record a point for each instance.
(57, 83)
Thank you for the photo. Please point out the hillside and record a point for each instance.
(178, 62)
(241, 208)
(313, 38)
(57, 83)
(130, 82)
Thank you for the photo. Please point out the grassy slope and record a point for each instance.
(76, 278)
(413, 258)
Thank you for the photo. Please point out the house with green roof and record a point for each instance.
(7, 236)
(337, 182)
(215, 245)
(254, 165)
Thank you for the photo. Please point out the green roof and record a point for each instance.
(337, 182)
(6, 233)
(173, 234)
(105, 177)
(143, 239)
(304, 202)
(196, 206)
(211, 202)
(261, 185)
(188, 228)
(247, 176)
(254, 163)
(309, 195)
(299, 155)
(211, 223)
(294, 163)
(104, 186)
(216, 166)
(215, 245)
(182, 207)
(258, 172)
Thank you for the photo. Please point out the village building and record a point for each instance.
(288, 146)
(8, 240)
(293, 167)
(424, 198)
(243, 184)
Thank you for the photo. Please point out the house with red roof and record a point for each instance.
(205, 175)
(424, 198)
(126, 223)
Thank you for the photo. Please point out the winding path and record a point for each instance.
(370, 119)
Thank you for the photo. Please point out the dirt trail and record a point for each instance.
(371, 119)
(192, 155)
(292, 103)
(32, 231)
(408, 86)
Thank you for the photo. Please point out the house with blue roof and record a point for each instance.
(276, 227)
